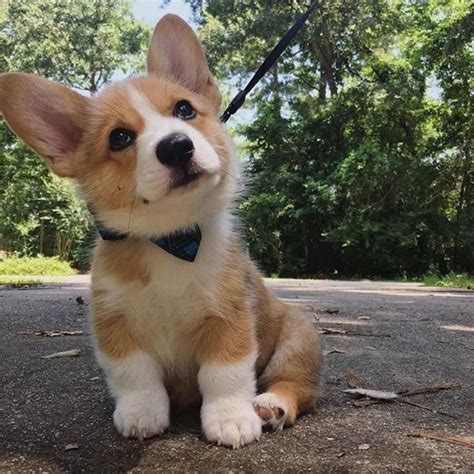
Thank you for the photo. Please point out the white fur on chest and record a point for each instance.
(175, 298)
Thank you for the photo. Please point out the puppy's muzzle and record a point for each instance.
(175, 150)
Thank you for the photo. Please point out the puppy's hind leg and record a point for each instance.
(291, 377)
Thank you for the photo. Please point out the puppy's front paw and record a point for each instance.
(230, 422)
(141, 414)
(271, 410)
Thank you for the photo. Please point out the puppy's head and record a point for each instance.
(149, 153)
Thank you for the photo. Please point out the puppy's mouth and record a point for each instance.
(186, 177)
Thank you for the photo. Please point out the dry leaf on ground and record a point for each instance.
(352, 380)
(70, 353)
(59, 333)
(375, 394)
(366, 401)
(70, 447)
(332, 331)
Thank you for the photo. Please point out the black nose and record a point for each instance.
(175, 149)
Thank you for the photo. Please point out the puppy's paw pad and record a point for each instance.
(230, 423)
(141, 416)
(271, 410)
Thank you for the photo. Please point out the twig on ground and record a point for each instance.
(334, 351)
(427, 390)
(424, 407)
(374, 397)
(461, 440)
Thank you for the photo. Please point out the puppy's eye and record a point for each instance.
(121, 138)
(184, 110)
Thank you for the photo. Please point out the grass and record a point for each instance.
(18, 282)
(35, 266)
(451, 280)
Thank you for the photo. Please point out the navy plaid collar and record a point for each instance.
(183, 244)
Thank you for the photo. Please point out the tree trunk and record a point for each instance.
(326, 64)
(464, 193)
(322, 84)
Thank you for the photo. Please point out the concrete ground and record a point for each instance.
(398, 336)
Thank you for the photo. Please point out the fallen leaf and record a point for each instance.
(70, 447)
(70, 353)
(462, 440)
(336, 332)
(352, 380)
(334, 351)
(329, 311)
(365, 402)
(79, 300)
(332, 331)
(58, 333)
(363, 447)
(375, 394)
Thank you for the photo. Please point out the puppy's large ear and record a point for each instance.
(175, 52)
(47, 116)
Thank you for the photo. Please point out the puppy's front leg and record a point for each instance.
(227, 383)
(135, 380)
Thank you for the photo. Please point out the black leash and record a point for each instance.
(270, 60)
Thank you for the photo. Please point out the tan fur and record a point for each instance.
(223, 310)
(189, 68)
(128, 268)
(113, 335)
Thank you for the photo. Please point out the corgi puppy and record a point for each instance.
(155, 165)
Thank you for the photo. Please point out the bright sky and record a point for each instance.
(150, 11)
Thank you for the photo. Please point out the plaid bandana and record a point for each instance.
(183, 244)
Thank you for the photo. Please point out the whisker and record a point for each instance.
(129, 226)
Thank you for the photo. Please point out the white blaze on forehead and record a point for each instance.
(143, 106)
(153, 178)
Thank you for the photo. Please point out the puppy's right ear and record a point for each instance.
(47, 116)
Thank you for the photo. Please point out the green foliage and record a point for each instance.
(21, 283)
(39, 265)
(356, 167)
(451, 280)
(79, 43)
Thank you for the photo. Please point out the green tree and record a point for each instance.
(81, 44)
(355, 167)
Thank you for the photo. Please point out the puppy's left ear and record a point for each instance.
(176, 52)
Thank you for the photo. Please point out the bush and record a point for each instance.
(35, 266)
(451, 280)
